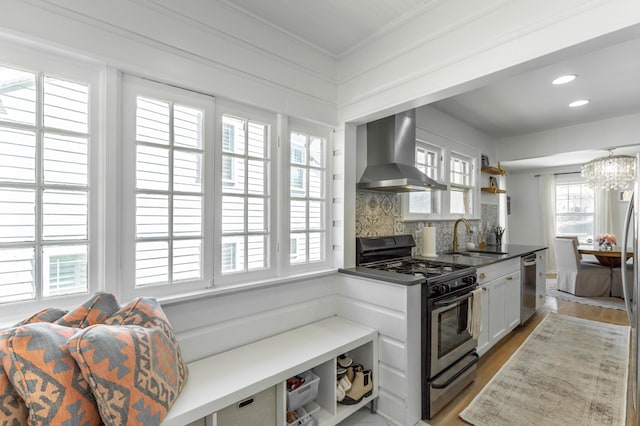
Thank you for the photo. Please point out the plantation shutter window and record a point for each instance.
(169, 192)
(308, 198)
(44, 185)
(246, 195)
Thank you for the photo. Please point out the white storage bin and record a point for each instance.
(304, 415)
(305, 393)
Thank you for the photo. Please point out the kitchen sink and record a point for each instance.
(497, 253)
(469, 253)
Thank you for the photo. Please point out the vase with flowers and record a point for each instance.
(606, 242)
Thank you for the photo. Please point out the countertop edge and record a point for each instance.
(512, 251)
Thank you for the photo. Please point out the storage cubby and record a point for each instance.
(330, 411)
(229, 377)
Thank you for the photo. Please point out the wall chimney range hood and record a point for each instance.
(391, 157)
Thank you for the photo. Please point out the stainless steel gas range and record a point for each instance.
(448, 351)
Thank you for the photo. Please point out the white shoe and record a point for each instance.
(344, 361)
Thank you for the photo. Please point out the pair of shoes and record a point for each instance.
(351, 371)
(344, 361)
(361, 387)
(340, 393)
(343, 385)
(343, 365)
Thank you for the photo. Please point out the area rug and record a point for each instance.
(569, 371)
(603, 302)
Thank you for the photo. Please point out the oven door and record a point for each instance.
(450, 339)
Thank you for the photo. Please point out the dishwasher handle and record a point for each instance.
(529, 260)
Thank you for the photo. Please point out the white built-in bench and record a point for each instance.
(226, 378)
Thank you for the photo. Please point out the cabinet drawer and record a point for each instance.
(497, 270)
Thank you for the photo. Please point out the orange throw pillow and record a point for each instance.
(94, 310)
(13, 410)
(46, 377)
(133, 364)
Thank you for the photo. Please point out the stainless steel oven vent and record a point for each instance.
(391, 157)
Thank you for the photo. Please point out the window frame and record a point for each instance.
(448, 148)
(231, 108)
(42, 62)
(326, 133)
(567, 181)
(436, 200)
(132, 87)
(471, 188)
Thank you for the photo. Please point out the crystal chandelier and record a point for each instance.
(612, 172)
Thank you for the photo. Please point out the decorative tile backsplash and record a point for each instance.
(380, 214)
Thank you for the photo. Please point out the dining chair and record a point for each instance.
(578, 277)
(616, 277)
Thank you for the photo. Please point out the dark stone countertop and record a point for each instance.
(476, 259)
(488, 255)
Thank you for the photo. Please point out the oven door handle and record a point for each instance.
(457, 375)
(452, 301)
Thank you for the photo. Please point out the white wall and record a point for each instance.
(211, 325)
(449, 129)
(602, 134)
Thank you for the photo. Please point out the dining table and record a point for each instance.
(611, 258)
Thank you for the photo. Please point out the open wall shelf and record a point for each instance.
(493, 170)
(493, 190)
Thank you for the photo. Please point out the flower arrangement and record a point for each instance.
(606, 241)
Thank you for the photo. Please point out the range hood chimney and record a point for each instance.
(391, 157)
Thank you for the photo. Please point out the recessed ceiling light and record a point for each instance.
(579, 103)
(564, 79)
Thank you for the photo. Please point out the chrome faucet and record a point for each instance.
(455, 233)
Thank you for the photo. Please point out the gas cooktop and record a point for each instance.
(390, 259)
(417, 267)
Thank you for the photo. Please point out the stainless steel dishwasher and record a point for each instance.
(528, 305)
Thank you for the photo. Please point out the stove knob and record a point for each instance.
(444, 289)
(470, 280)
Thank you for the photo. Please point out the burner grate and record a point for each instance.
(417, 267)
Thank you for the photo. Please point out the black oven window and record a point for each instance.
(452, 328)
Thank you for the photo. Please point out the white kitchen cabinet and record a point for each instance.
(483, 338)
(541, 278)
(501, 287)
(497, 290)
(513, 299)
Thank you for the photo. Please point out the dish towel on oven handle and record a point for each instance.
(474, 316)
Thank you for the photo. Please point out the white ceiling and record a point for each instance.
(514, 103)
(528, 102)
(334, 26)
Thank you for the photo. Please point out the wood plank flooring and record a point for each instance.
(491, 362)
